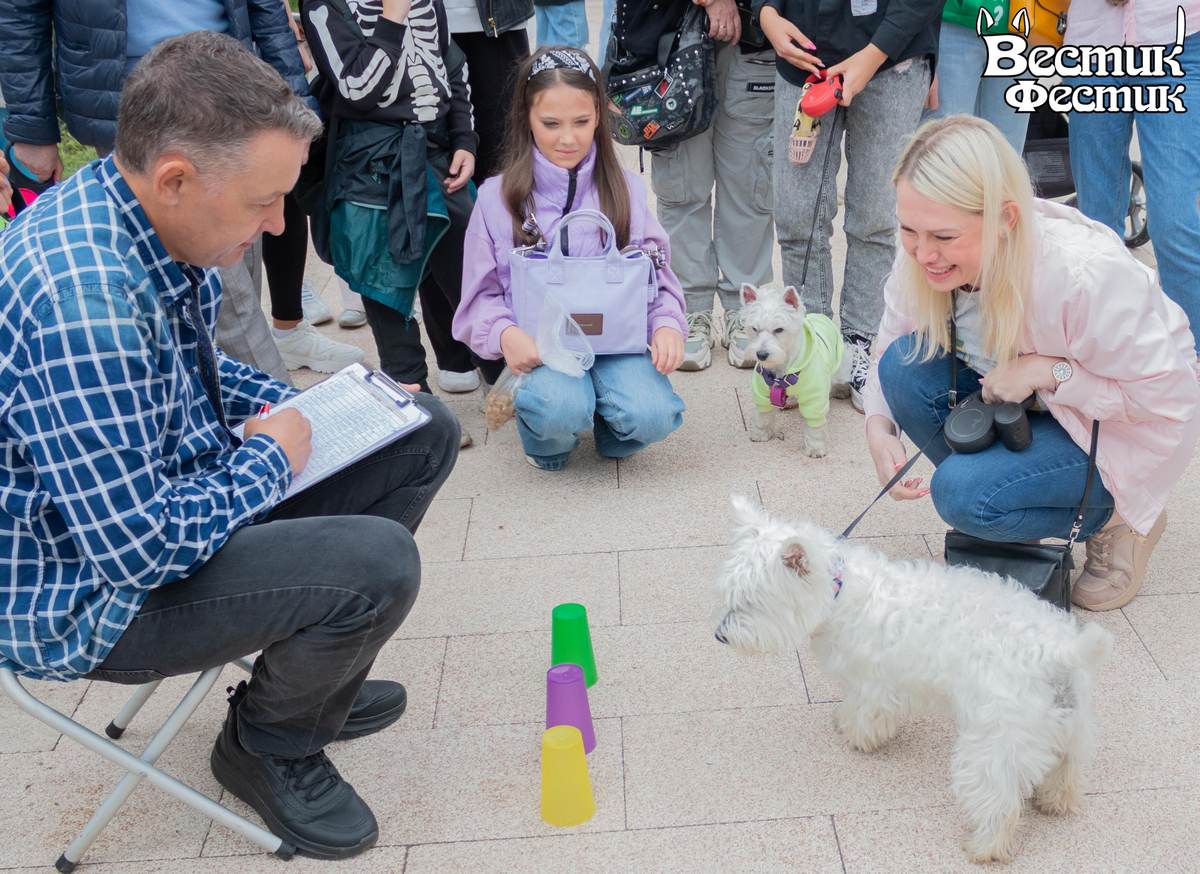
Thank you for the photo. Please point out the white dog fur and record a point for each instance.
(774, 320)
(914, 636)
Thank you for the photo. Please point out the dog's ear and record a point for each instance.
(791, 297)
(794, 558)
(746, 511)
(749, 293)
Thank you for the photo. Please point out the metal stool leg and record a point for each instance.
(140, 768)
(246, 664)
(121, 721)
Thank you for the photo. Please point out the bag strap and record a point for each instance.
(1077, 525)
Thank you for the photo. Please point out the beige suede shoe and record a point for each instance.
(1115, 567)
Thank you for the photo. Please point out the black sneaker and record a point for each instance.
(304, 801)
(378, 705)
(858, 348)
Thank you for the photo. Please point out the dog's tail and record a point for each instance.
(1093, 646)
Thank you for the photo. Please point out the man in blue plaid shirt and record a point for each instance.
(138, 537)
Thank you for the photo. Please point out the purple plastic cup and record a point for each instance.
(567, 702)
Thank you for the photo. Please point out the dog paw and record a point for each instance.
(1060, 803)
(983, 853)
(814, 450)
(760, 436)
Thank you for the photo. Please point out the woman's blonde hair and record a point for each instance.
(965, 162)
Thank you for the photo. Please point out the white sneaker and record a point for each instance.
(735, 340)
(304, 346)
(859, 348)
(316, 311)
(697, 348)
(457, 383)
(352, 318)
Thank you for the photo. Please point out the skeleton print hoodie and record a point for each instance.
(388, 72)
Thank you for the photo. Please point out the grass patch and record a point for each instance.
(74, 154)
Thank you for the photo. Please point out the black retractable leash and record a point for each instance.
(837, 111)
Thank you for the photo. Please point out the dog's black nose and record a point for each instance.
(762, 354)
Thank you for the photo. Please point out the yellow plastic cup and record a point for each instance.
(566, 788)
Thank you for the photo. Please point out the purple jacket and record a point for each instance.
(486, 307)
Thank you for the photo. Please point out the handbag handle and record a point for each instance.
(612, 255)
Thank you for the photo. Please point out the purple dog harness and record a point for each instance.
(778, 385)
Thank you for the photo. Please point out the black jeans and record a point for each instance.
(319, 586)
(398, 338)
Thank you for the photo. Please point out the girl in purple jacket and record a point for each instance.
(560, 158)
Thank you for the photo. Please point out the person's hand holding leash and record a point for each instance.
(787, 40)
(857, 70)
(888, 454)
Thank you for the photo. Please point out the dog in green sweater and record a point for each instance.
(798, 360)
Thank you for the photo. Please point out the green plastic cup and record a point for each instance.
(570, 640)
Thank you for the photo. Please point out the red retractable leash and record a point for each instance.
(819, 97)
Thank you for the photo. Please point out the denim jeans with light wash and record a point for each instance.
(562, 25)
(626, 402)
(1171, 171)
(875, 127)
(606, 22)
(962, 89)
(996, 494)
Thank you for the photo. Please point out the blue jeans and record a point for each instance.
(995, 494)
(1171, 169)
(962, 89)
(564, 25)
(622, 398)
(606, 22)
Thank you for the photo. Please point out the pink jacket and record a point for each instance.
(1129, 345)
(486, 306)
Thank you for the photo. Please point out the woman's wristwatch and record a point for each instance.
(1061, 371)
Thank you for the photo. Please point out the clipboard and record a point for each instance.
(353, 413)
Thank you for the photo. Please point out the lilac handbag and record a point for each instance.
(608, 295)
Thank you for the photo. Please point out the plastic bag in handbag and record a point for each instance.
(607, 295)
(670, 99)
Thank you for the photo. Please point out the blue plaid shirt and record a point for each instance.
(116, 475)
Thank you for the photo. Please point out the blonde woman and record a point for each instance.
(1046, 302)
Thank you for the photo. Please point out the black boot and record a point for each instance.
(305, 801)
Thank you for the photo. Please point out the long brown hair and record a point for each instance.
(519, 147)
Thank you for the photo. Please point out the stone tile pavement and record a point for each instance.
(706, 761)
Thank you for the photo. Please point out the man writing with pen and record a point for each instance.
(139, 538)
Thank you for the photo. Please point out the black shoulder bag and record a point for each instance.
(672, 98)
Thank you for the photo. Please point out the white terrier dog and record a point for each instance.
(799, 359)
(914, 636)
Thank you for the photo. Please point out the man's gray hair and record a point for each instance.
(205, 96)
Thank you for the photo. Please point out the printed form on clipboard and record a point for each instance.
(353, 413)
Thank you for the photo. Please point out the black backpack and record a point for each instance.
(670, 98)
